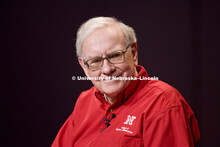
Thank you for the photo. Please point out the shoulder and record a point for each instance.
(157, 88)
(171, 94)
(86, 95)
(84, 101)
(160, 86)
(158, 96)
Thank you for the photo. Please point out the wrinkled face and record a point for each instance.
(100, 43)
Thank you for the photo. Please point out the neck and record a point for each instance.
(111, 100)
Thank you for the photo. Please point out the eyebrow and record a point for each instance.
(106, 54)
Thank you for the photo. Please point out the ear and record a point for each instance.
(81, 62)
(135, 52)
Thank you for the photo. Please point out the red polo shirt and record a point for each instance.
(148, 113)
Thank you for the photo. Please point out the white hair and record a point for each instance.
(100, 22)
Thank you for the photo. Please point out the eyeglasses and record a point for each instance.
(114, 58)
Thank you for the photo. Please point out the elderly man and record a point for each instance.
(121, 109)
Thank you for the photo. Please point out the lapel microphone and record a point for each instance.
(107, 121)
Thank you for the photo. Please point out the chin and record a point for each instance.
(113, 88)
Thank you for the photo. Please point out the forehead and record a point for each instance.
(103, 40)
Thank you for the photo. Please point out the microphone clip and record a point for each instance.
(107, 121)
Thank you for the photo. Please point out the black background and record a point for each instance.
(178, 41)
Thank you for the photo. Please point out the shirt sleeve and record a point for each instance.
(171, 128)
(65, 135)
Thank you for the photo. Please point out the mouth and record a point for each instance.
(111, 78)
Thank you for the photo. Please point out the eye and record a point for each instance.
(114, 55)
(95, 60)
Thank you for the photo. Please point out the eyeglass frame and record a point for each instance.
(123, 54)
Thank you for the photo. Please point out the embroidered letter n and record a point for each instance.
(130, 120)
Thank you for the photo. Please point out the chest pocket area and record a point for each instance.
(128, 141)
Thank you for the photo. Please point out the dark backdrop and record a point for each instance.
(178, 42)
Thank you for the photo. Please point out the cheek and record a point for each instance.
(96, 83)
(90, 73)
(129, 67)
(95, 74)
(129, 61)
(125, 69)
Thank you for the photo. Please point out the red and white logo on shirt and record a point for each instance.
(129, 121)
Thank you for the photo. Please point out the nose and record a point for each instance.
(107, 67)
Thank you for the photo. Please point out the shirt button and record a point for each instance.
(111, 110)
